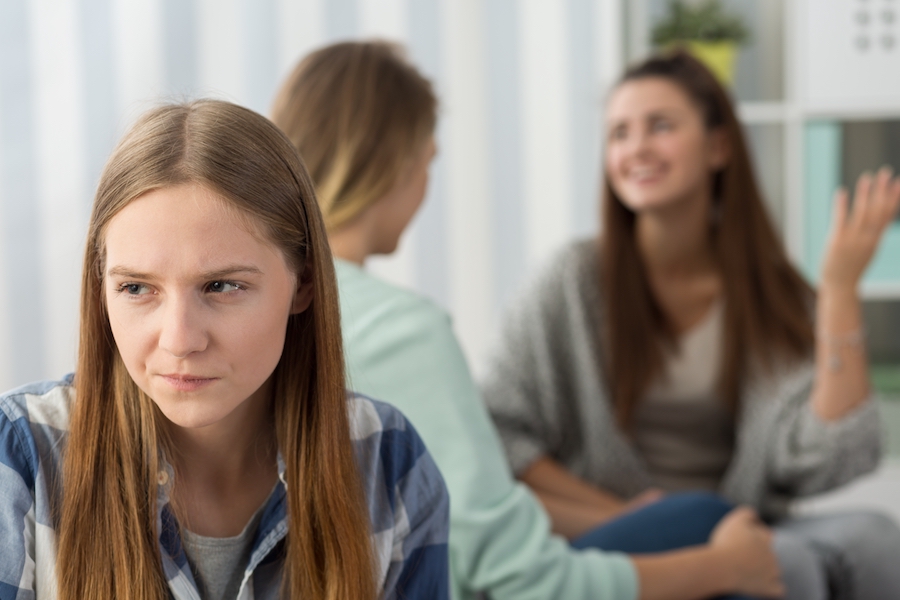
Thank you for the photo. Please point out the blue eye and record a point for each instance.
(134, 289)
(218, 287)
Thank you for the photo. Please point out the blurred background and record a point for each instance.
(522, 85)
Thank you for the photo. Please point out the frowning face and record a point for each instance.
(198, 303)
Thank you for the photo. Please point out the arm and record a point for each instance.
(545, 475)
(842, 382)
(737, 559)
(574, 505)
(424, 573)
(422, 519)
(17, 526)
(829, 432)
(501, 541)
(570, 518)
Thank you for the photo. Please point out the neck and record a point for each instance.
(226, 455)
(676, 240)
(353, 241)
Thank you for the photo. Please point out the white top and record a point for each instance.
(682, 428)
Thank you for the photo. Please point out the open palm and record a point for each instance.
(857, 228)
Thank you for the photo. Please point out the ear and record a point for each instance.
(304, 294)
(719, 149)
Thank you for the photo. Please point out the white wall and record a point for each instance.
(520, 83)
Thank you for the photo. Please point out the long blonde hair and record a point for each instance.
(358, 112)
(108, 546)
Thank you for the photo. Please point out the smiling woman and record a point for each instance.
(206, 446)
(680, 350)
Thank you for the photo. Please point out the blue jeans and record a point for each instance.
(677, 521)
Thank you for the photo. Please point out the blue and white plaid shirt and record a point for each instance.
(408, 504)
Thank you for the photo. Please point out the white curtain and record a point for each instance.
(521, 85)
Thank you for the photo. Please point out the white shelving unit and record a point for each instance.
(797, 46)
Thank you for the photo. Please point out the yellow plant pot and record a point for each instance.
(717, 56)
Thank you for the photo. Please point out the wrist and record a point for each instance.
(838, 290)
(723, 576)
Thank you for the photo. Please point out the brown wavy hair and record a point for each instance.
(767, 302)
(108, 546)
(358, 112)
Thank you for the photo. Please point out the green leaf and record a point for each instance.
(706, 21)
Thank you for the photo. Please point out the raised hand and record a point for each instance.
(842, 373)
(857, 229)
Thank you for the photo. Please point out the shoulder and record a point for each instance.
(386, 327)
(389, 448)
(566, 286)
(45, 403)
(401, 478)
(36, 415)
(34, 420)
(367, 301)
(375, 420)
(571, 263)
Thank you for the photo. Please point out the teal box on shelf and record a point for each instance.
(823, 167)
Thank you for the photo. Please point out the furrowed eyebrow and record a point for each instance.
(122, 271)
(231, 270)
(126, 272)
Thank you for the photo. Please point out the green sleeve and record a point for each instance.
(405, 352)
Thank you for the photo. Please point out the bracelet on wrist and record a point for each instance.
(836, 343)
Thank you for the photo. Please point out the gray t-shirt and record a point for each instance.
(218, 564)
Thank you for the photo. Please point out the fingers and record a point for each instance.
(839, 214)
(744, 513)
(645, 499)
(894, 196)
(875, 202)
(651, 495)
(890, 201)
(861, 200)
(880, 202)
(776, 587)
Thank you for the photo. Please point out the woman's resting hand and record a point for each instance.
(745, 545)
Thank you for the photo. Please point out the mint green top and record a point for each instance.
(401, 348)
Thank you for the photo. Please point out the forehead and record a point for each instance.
(183, 227)
(640, 97)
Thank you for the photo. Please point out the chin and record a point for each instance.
(649, 204)
(188, 411)
(388, 247)
(185, 418)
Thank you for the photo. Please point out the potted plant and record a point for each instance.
(707, 31)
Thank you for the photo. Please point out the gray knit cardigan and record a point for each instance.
(548, 396)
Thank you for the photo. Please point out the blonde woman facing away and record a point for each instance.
(206, 447)
(363, 119)
(682, 351)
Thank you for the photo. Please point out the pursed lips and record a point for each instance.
(187, 382)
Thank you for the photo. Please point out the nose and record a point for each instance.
(638, 142)
(182, 331)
